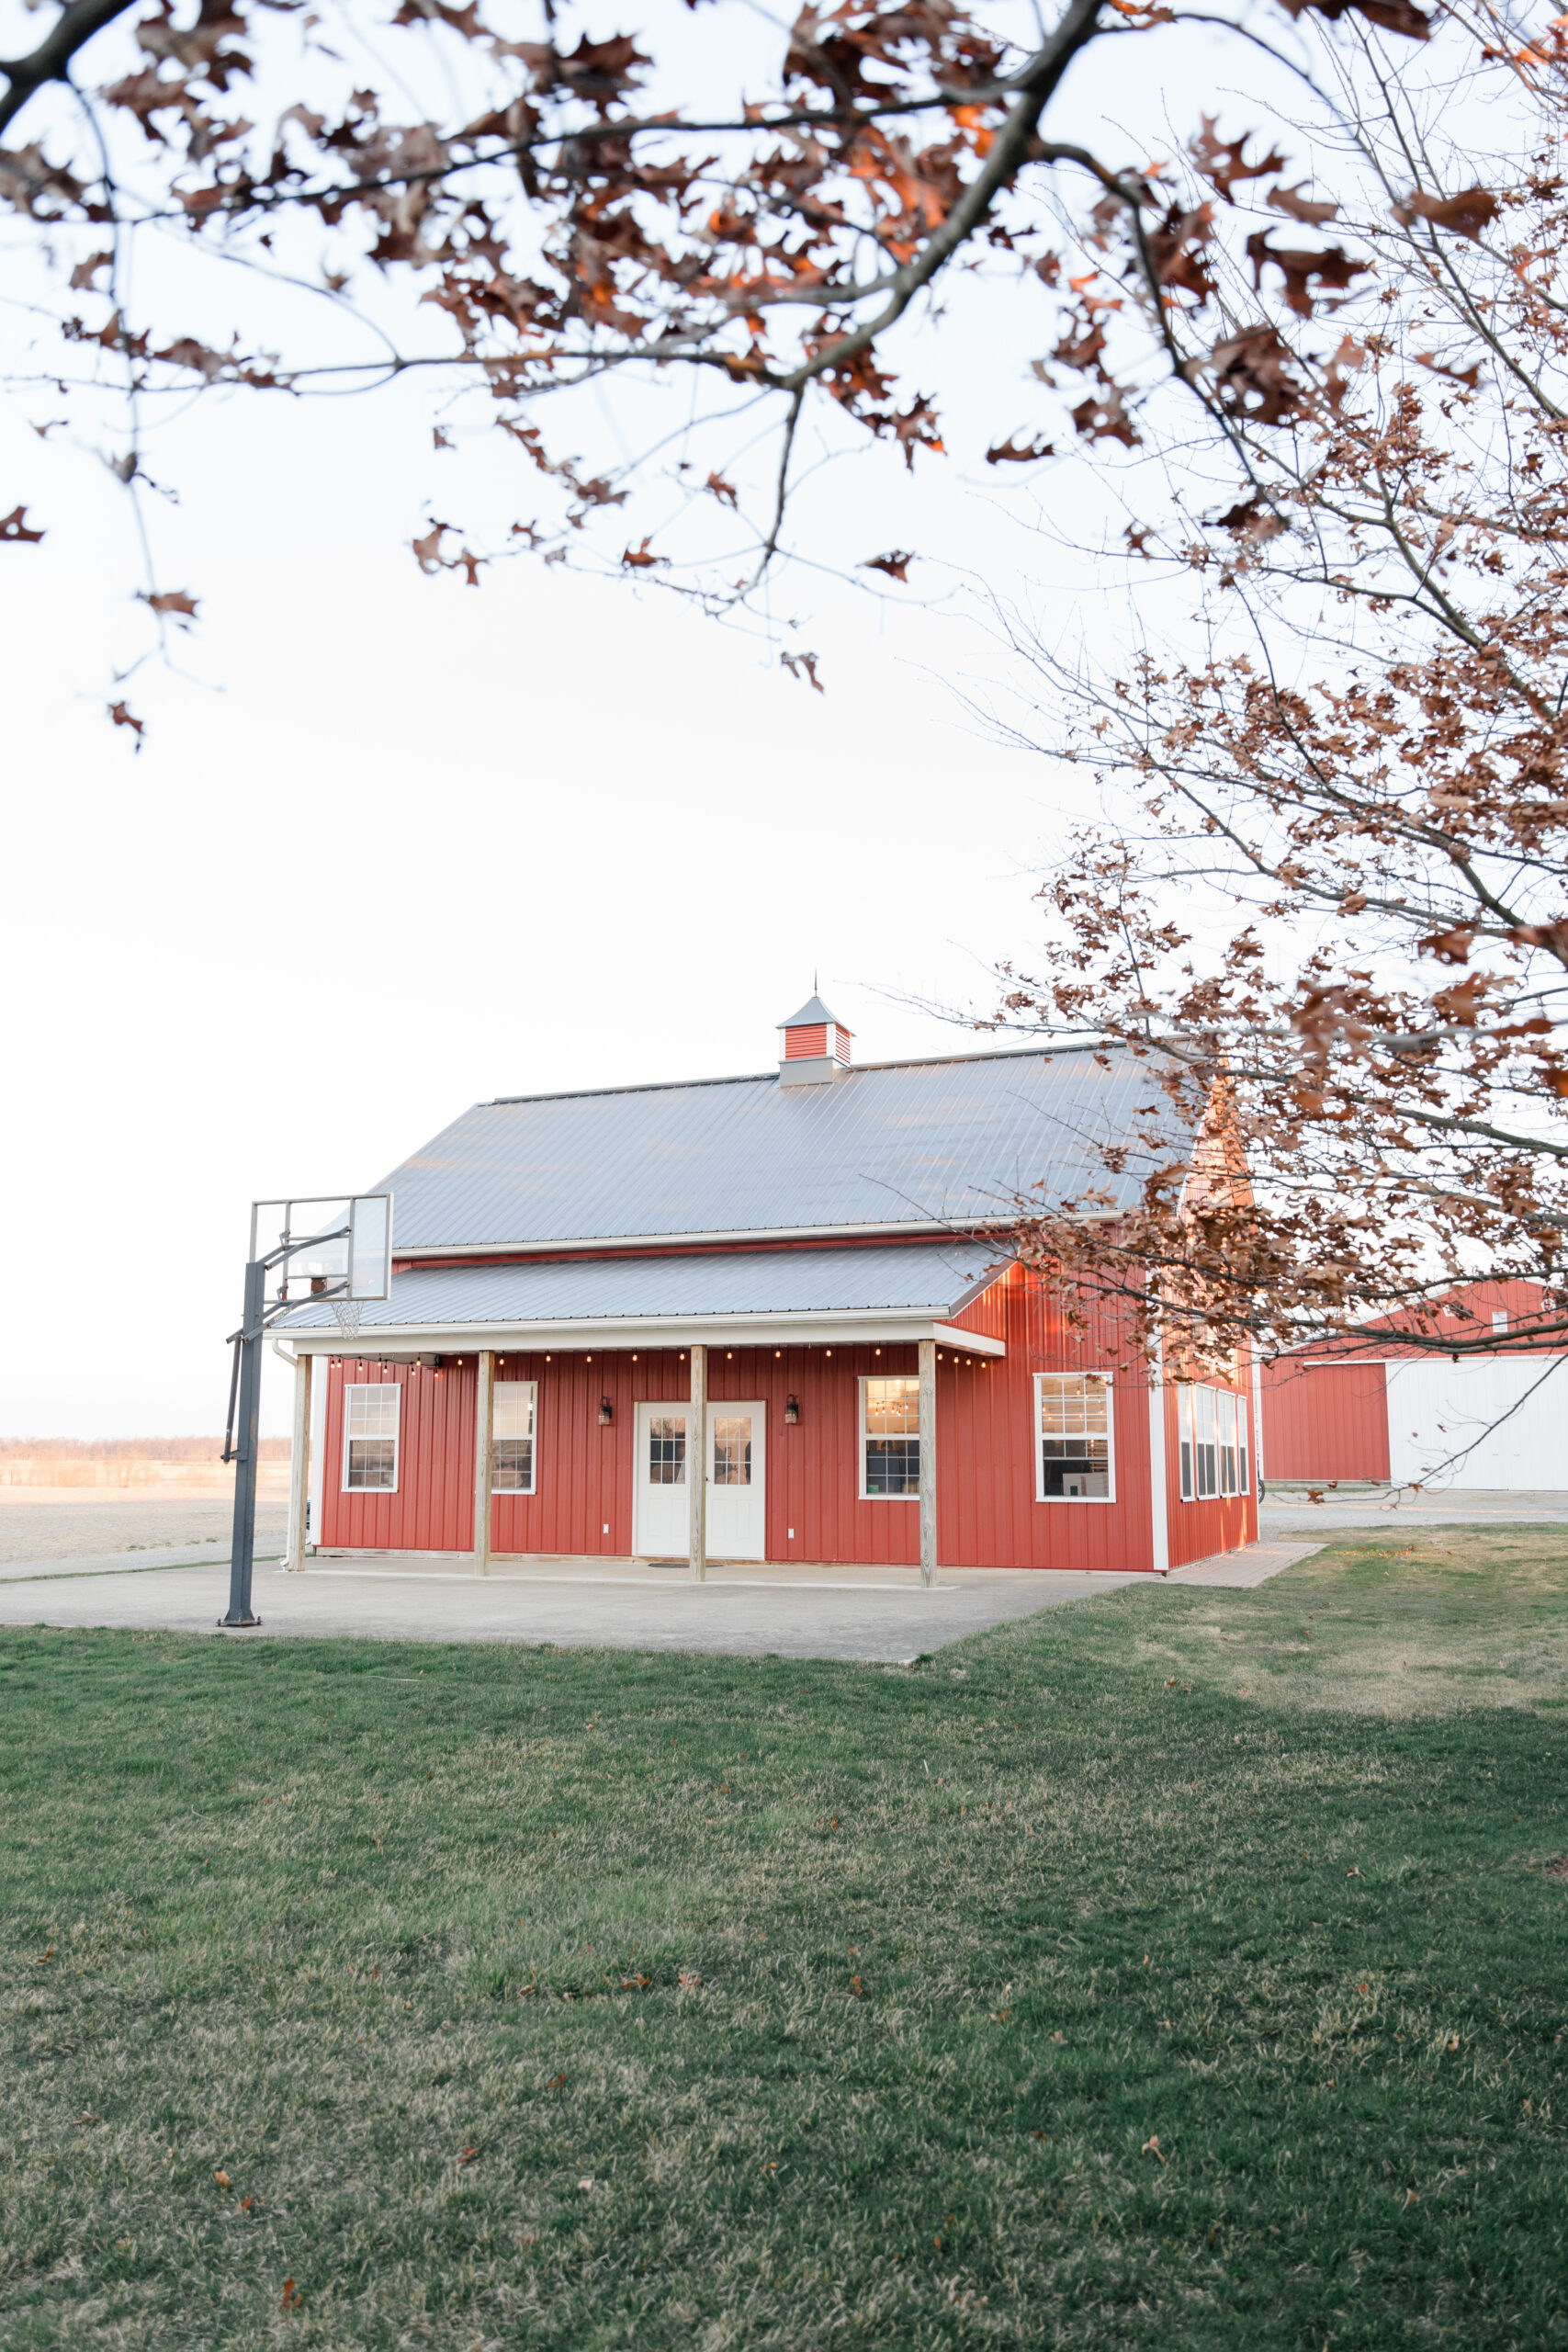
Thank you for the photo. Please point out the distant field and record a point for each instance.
(1178, 1969)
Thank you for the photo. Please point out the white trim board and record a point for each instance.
(375, 1340)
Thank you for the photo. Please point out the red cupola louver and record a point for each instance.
(813, 1047)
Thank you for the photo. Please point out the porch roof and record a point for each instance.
(893, 1290)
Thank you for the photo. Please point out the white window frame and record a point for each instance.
(533, 1388)
(351, 1388)
(1089, 1372)
(867, 1496)
(1188, 1441)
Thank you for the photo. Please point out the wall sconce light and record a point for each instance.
(605, 1415)
(792, 1410)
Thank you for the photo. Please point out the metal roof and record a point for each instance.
(930, 1279)
(812, 1012)
(895, 1144)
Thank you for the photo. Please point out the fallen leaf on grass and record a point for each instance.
(689, 1980)
(556, 2083)
(289, 2296)
(1151, 2148)
(44, 1958)
(221, 2179)
(1352, 1873)
(586, 2184)
(467, 2157)
(634, 1983)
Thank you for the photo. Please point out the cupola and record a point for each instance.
(813, 1046)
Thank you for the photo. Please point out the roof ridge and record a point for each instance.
(770, 1077)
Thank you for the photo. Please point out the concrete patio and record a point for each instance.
(873, 1614)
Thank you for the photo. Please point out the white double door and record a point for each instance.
(737, 1482)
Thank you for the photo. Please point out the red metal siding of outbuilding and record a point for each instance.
(803, 1044)
(1324, 1420)
(988, 1513)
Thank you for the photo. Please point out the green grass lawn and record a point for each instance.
(1180, 1968)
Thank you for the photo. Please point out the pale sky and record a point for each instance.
(393, 846)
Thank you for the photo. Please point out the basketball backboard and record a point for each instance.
(331, 1249)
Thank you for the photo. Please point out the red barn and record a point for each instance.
(798, 1280)
(1379, 1404)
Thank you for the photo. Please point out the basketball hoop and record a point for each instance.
(348, 1312)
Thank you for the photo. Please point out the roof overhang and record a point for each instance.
(382, 1341)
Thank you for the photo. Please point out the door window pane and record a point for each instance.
(1184, 1439)
(512, 1471)
(666, 1449)
(892, 1409)
(370, 1436)
(732, 1449)
(1242, 1463)
(1075, 1437)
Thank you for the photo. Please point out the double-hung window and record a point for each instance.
(1212, 1448)
(370, 1436)
(890, 1438)
(514, 1406)
(1076, 1461)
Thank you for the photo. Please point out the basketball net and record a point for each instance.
(348, 1312)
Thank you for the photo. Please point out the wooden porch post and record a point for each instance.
(697, 1465)
(484, 1429)
(299, 1463)
(928, 1461)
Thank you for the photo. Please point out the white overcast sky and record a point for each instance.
(393, 846)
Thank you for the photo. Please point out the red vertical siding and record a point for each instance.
(432, 1508)
(1324, 1420)
(1196, 1530)
(988, 1513)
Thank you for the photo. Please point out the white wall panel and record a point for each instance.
(1437, 1409)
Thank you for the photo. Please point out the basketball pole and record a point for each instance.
(242, 1549)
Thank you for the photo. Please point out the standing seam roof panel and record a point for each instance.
(946, 1140)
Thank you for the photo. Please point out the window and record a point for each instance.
(370, 1436)
(890, 1437)
(1499, 1320)
(512, 1430)
(666, 1450)
(1211, 1447)
(1225, 1409)
(1073, 1412)
(732, 1449)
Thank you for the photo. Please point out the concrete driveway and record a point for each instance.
(876, 1616)
(1287, 1513)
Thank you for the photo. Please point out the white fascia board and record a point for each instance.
(580, 1336)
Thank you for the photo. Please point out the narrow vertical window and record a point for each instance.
(370, 1437)
(890, 1438)
(1206, 1445)
(511, 1461)
(1074, 1422)
(1226, 1413)
(1242, 1466)
(1184, 1439)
